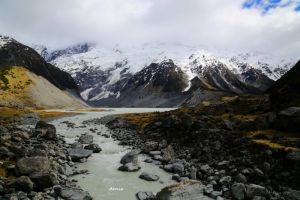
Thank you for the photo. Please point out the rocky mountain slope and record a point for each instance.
(285, 91)
(104, 73)
(26, 79)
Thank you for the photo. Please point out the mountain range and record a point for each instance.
(162, 75)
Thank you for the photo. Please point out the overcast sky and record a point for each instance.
(266, 25)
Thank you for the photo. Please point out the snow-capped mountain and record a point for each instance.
(106, 75)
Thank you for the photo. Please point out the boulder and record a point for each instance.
(86, 139)
(45, 130)
(168, 154)
(94, 147)
(240, 178)
(192, 190)
(149, 146)
(291, 195)
(76, 145)
(27, 166)
(145, 195)
(256, 190)
(79, 153)
(294, 156)
(130, 157)
(178, 168)
(238, 191)
(225, 180)
(149, 177)
(288, 119)
(43, 180)
(129, 167)
(70, 193)
(22, 183)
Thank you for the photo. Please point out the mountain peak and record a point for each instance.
(4, 40)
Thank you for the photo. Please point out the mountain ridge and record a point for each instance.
(101, 72)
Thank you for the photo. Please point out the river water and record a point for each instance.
(104, 181)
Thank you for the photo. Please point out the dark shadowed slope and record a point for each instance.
(286, 91)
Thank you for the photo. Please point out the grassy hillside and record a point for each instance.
(14, 84)
(21, 88)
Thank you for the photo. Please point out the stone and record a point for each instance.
(70, 193)
(4, 152)
(240, 178)
(176, 177)
(288, 119)
(130, 157)
(76, 145)
(215, 194)
(129, 167)
(149, 177)
(23, 183)
(149, 146)
(205, 168)
(45, 130)
(291, 195)
(157, 157)
(223, 164)
(178, 168)
(94, 147)
(192, 190)
(153, 153)
(44, 180)
(193, 174)
(79, 153)
(225, 180)
(256, 190)
(294, 156)
(27, 166)
(168, 154)
(238, 191)
(145, 195)
(86, 139)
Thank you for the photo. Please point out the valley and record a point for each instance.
(85, 123)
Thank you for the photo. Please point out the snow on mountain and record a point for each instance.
(101, 72)
(4, 40)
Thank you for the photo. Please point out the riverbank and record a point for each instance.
(238, 149)
(35, 162)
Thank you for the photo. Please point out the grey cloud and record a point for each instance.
(218, 23)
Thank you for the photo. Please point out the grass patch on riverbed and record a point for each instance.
(8, 114)
(275, 139)
(140, 119)
(89, 110)
(45, 114)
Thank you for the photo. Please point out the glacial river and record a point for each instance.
(104, 181)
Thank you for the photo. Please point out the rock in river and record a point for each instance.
(145, 196)
(86, 139)
(149, 177)
(129, 167)
(130, 157)
(94, 147)
(79, 153)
